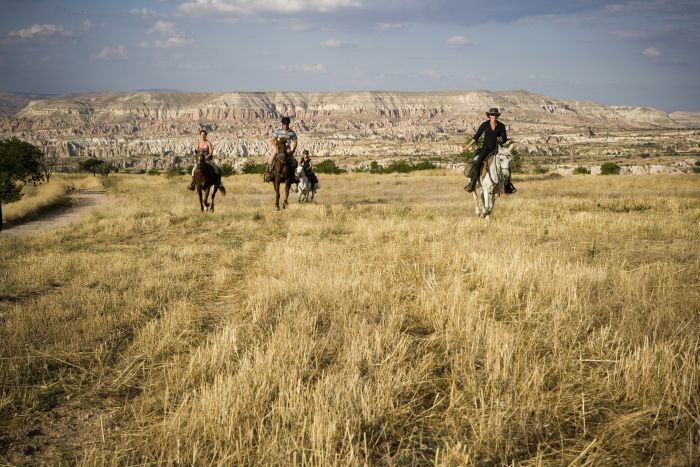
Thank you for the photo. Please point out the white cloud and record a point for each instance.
(108, 52)
(173, 41)
(430, 73)
(42, 30)
(247, 7)
(163, 27)
(629, 34)
(458, 42)
(301, 27)
(87, 24)
(142, 12)
(652, 52)
(171, 37)
(388, 27)
(317, 69)
(336, 44)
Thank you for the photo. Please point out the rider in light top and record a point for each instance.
(291, 137)
(204, 147)
(494, 135)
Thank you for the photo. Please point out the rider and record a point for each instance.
(308, 169)
(291, 137)
(494, 135)
(204, 147)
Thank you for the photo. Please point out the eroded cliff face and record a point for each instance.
(162, 127)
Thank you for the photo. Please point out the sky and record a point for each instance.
(642, 53)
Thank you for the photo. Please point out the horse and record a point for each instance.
(494, 172)
(305, 186)
(204, 179)
(281, 172)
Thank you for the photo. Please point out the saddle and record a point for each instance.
(284, 159)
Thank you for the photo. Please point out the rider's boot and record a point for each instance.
(268, 176)
(471, 185)
(191, 185)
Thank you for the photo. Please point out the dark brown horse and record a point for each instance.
(204, 179)
(282, 172)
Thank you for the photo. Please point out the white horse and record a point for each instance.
(494, 173)
(305, 186)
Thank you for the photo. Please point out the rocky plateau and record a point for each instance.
(158, 129)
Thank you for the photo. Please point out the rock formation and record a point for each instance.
(161, 128)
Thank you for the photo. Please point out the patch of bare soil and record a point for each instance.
(81, 203)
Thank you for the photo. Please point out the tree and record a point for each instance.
(91, 165)
(20, 163)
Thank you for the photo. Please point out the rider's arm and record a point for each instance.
(502, 137)
(211, 149)
(480, 131)
(294, 145)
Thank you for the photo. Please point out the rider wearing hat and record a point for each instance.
(494, 135)
(291, 137)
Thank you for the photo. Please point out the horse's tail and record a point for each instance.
(222, 189)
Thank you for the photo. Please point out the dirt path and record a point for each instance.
(82, 202)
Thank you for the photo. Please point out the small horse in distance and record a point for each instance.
(305, 186)
(282, 172)
(204, 179)
(494, 172)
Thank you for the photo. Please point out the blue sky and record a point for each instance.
(627, 52)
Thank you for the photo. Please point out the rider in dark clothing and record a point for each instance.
(494, 135)
(308, 169)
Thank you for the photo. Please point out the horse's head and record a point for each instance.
(281, 145)
(504, 159)
(300, 170)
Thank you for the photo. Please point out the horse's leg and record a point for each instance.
(277, 194)
(213, 195)
(475, 197)
(201, 204)
(287, 186)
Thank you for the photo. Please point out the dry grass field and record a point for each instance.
(384, 324)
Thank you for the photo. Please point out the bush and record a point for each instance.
(540, 170)
(400, 167)
(253, 168)
(328, 167)
(609, 168)
(92, 165)
(173, 172)
(582, 171)
(226, 170)
(152, 172)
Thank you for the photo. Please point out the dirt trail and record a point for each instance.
(83, 202)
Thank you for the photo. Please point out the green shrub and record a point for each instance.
(328, 167)
(152, 172)
(696, 170)
(173, 172)
(226, 170)
(582, 171)
(400, 167)
(540, 170)
(253, 168)
(609, 168)
(91, 165)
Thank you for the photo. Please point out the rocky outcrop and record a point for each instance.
(163, 126)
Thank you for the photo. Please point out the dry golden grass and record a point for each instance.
(383, 324)
(44, 197)
(36, 199)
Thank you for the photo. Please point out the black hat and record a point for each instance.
(286, 121)
(493, 111)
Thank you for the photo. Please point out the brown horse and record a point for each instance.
(282, 172)
(204, 179)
